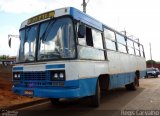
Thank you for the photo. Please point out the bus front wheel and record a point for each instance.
(95, 99)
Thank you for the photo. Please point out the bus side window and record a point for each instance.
(142, 51)
(136, 46)
(89, 39)
(81, 31)
(85, 35)
(97, 39)
(130, 46)
(82, 34)
(110, 39)
(121, 43)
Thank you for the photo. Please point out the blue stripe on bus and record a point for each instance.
(119, 80)
(78, 88)
(82, 88)
(55, 66)
(17, 68)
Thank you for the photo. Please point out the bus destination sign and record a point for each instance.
(41, 17)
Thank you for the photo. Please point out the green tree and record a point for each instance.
(150, 62)
(3, 57)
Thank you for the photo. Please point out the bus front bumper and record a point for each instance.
(48, 92)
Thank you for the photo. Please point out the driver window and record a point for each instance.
(81, 35)
(85, 35)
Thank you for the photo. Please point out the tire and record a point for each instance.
(156, 76)
(133, 86)
(55, 101)
(130, 86)
(95, 99)
(136, 81)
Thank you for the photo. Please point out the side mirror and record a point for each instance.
(9, 42)
(81, 31)
(9, 39)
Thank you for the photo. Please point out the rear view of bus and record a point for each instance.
(62, 54)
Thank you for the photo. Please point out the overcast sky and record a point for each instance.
(140, 18)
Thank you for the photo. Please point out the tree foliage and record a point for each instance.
(3, 57)
(151, 61)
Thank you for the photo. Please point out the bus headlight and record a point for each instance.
(61, 75)
(58, 75)
(55, 75)
(16, 76)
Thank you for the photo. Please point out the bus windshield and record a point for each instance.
(55, 41)
(27, 44)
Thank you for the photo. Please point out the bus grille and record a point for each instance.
(29, 76)
(37, 84)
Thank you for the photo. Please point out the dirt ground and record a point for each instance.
(7, 97)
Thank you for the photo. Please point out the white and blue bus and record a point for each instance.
(66, 53)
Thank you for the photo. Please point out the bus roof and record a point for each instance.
(75, 13)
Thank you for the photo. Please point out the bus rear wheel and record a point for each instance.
(55, 101)
(134, 85)
(95, 99)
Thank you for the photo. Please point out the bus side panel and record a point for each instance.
(122, 68)
(124, 63)
(87, 72)
(119, 80)
(87, 86)
(141, 62)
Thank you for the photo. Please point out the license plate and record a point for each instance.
(28, 92)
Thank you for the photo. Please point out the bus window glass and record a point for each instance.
(20, 54)
(122, 48)
(93, 39)
(141, 50)
(55, 42)
(141, 53)
(71, 43)
(129, 43)
(90, 53)
(109, 34)
(81, 31)
(97, 39)
(81, 35)
(82, 41)
(120, 39)
(137, 52)
(28, 44)
(89, 38)
(130, 50)
(136, 46)
(110, 44)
